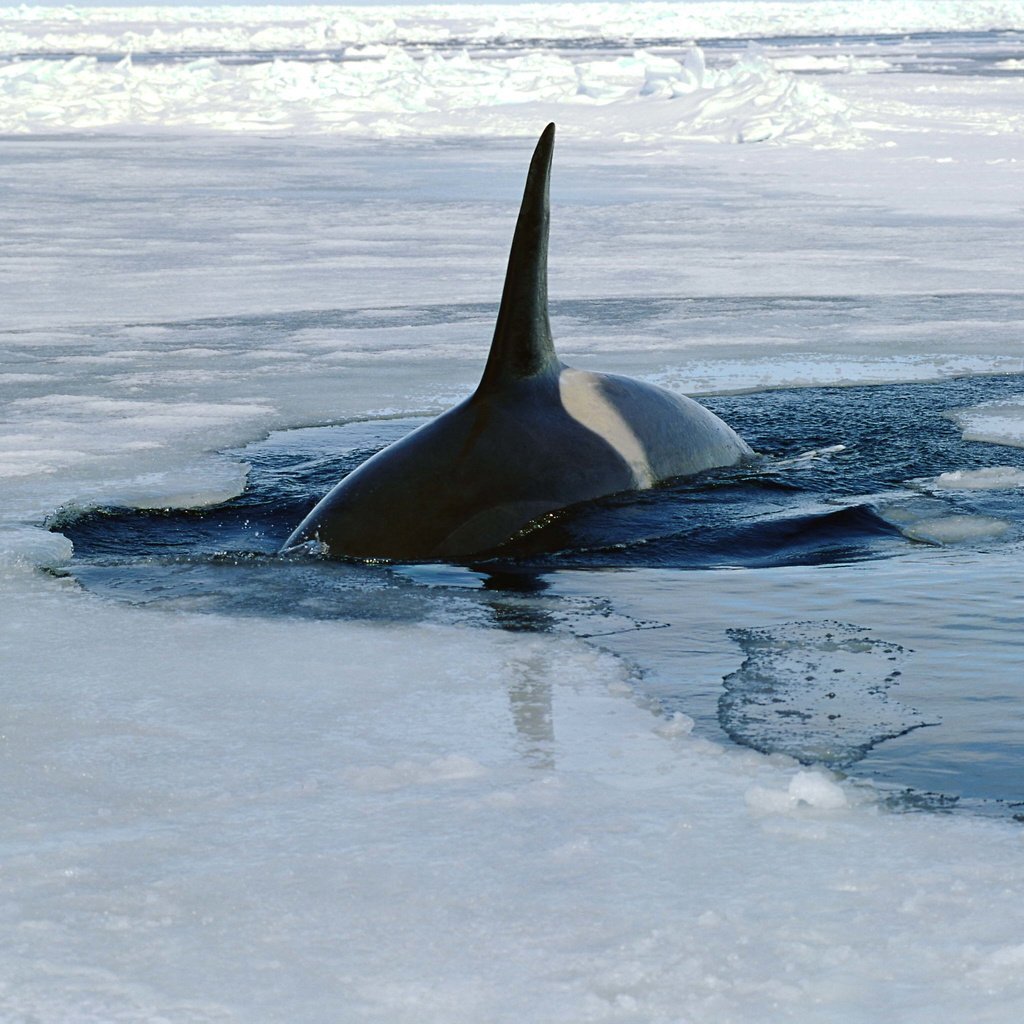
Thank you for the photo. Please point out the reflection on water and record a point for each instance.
(532, 710)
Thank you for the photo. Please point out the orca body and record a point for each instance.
(535, 436)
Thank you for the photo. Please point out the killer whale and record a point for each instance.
(535, 436)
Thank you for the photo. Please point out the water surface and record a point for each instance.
(753, 599)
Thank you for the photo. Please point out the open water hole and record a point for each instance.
(832, 601)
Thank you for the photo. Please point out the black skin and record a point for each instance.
(471, 479)
(468, 480)
(479, 473)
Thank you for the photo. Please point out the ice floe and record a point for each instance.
(994, 422)
(992, 478)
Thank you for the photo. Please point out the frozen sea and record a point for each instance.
(746, 748)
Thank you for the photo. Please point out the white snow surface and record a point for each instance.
(213, 820)
(251, 820)
(992, 478)
(994, 422)
(240, 28)
(394, 93)
(401, 72)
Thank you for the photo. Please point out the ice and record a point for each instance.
(811, 369)
(833, 62)
(33, 547)
(381, 778)
(241, 28)
(816, 691)
(993, 423)
(396, 93)
(677, 725)
(92, 450)
(815, 790)
(226, 818)
(992, 478)
(956, 529)
(930, 521)
(811, 789)
(213, 819)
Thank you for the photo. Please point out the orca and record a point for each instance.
(535, 436)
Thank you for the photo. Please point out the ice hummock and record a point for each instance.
(398, 92)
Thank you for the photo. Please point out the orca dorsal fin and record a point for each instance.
(522, 345)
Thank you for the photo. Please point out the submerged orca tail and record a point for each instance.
(522, 345)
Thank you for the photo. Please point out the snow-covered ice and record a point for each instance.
(996, 423)
(226, 221)
(992, 478)
(395, 93)
(268, 28)
(464, 70)
(264, 820)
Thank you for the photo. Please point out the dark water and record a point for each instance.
(829, 488)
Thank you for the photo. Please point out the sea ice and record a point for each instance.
(214, 818)
(817, 691)
(993, 423)
(811, 789)
(992, 478)
(399, 92)
(956, 529)
(316, 28)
